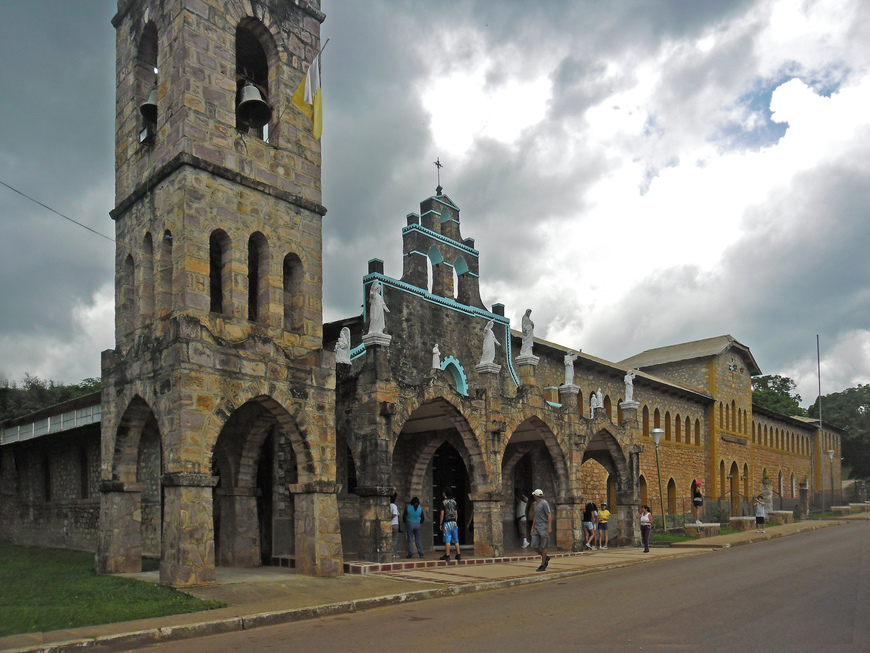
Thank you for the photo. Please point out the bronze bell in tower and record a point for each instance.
(252, 108)
(148, 108)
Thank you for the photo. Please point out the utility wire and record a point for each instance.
(45, 206)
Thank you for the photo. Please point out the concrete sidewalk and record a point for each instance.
(270, 595)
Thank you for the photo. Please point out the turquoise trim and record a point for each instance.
(450, 364)
(414, 251)
(554, 404)
(357, 351)
(443, 239)
(443, 199)
(444, 302)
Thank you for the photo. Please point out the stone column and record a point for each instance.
(568, 515)
(318, 537)
(629, 411)
(188, 530)
(526, 369)
(488, 527)
(627, 520)
(804, 494)
(375, 534)
(239, 536)
(119, 542)
(767, 493)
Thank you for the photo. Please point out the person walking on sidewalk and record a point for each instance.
(448, 524)
(590, 518)
(760, 514)
(603, 518)
(413, 518)
(542, 526)
(522, 520)
(645, 526)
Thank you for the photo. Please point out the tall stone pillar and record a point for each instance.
(119, 543)
(488, 526)
(239, 535)
(804, 494)
(568, 515)
(188, 530)
(627, 520)
(375, 534)
(318, 538)
(767, 493)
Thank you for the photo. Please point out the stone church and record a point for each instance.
(236, 429)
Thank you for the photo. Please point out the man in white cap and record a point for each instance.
(542, 526)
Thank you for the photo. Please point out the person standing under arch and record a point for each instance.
(448, 524)
(603, 518)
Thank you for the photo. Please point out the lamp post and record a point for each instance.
(831, 458)
(657, 434)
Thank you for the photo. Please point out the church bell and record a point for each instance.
(148, 108)
(252, 108)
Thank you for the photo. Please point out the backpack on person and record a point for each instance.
(449, 510)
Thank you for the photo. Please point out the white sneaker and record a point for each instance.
(698, 523)
(763, 530)
(604, 547)
(525, 544)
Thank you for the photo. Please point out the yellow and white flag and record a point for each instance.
(307, 97)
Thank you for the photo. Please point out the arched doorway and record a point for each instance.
(448, 471)
(608, 475)
(435, 450)
(532, 460)
(734, 488)
(137, 470)
(255, 464)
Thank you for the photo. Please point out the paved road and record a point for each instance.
(809, 592)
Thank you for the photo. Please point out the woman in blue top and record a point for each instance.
(413, 517)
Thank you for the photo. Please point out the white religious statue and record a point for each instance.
(436, 357)
(342, 347)
(596, 401)
(629, 384)
(489, 343)
(570, 357)
(528, 334)
(377, 309)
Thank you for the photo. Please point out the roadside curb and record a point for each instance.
(151, 636)
(762, 537)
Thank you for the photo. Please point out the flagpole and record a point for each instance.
(819, 373)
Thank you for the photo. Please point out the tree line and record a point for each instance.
(33, 394)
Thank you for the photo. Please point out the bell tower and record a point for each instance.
(218, 278)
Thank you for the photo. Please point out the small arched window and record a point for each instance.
(258, 272)
(127, 295)
(668, 426)
(646, 421)
(293, 298)
(657, 419)
(678, 429)
(220, 275)
(697, 433)
(146, 280)
(164, 293)
(607, 408)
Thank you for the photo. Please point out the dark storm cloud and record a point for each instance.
(56, 134)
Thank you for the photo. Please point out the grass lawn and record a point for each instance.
(52, 589)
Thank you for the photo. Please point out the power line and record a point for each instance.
(65, 217)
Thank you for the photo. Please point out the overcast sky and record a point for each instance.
(638, 173)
